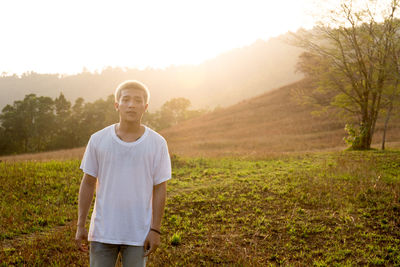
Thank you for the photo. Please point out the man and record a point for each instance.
(128, 164)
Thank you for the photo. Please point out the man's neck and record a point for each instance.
(129, 127)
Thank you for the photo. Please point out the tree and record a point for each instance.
(62, 133)
(392, 92)
(28, 124)
(98, 114)
(348, 56)
(12, 135)
(44, 123)
(75, 124)
(176, 109)
(111, 115)
(4, 144)
(172, 112)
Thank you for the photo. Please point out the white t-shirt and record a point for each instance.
(126, 173)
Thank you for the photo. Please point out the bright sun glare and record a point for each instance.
(65, 36)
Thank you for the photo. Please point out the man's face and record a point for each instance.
(131, 105)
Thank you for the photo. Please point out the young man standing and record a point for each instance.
(128, 165)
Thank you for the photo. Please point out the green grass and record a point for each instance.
(318, 209)
(37, 196)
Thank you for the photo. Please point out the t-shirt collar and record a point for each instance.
(116, 138)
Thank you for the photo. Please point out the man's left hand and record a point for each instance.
(151, 243)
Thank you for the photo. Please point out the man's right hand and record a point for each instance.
(81, 236)
(86, 192)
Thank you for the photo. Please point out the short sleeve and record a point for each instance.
(89, 164)
(162, 167)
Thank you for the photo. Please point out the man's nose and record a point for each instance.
(131, 104)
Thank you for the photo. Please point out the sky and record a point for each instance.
(67, 36)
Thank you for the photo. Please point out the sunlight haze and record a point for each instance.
(68, 36)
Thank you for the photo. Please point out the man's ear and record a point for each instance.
(145, 107)
(116, 105)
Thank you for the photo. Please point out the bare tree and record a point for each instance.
(350, 57)
(392, 94)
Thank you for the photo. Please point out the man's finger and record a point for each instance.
(84, 248)
(80, 246)
(146, 246)
(149, 251)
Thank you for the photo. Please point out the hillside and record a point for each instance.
(229, 78)
(270, 123)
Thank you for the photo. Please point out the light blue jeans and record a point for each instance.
(105, 255)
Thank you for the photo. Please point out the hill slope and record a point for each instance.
(272, 122)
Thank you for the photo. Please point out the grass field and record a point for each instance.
(323, 209)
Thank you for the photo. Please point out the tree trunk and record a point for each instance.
(366, 139)
(39, 144)
(25, 145)
(386, 124)
(365, 134)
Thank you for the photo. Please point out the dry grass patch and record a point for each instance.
(270, 123)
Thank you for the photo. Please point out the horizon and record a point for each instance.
(156, 35)
(128, 68)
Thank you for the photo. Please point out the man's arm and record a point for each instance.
(153, 238)
(86, 191)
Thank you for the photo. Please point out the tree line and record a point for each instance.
(40, 123)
